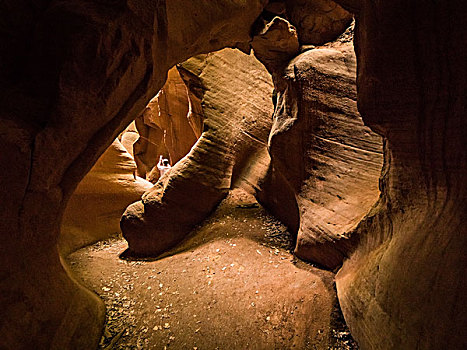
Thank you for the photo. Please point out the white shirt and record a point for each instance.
(163, 169)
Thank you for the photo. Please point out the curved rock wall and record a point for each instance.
(75, 73)
(331, 161)
(128, 137)
(170, 125)
(323, 178)
(237, 104)
(94, 210)
(73, 76)
(403, 286)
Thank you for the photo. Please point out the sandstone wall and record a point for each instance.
(128, 137)
(330, 160)
(403, 286)
(170, 125)
(323, 178)
(94, 210)
(237, 104)
(73, 76)
(400, 287)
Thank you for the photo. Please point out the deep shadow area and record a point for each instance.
(74, 74)
(232, 284)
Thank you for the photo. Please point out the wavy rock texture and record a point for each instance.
(276, 44)
(237, 100)
(326, 163)
(94, 210)
(168, 126)
(73, 76)
(317, 21)
(320, 146)
(403, 287)
(128, 137)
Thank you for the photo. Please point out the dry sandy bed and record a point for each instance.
(232, 285)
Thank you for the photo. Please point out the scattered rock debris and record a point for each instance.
(234, 284)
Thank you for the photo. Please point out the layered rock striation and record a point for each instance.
(237, 105)
(170, 125)
(94, 210)
(320, 145)
(323, 178)
(402, 287)
(73, 76)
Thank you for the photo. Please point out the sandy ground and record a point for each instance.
(233, 284)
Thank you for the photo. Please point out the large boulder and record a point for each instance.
(275, 44)
(237, 104)
(317, 21)
(93, 212)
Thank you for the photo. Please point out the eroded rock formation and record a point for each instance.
(170, 125)
(237, 100)
(128, 137)
(403, 286)
(330, 160)
(317, 21)
(325, 163)
(403, 280)
(276, 44)
(94, 210)
(73, 75)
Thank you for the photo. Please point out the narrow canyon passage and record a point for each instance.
(233, 284)
(364, 160)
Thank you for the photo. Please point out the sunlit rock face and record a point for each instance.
(235, 91)
(73, 76)
(330, 160)
(94, 210)
(128, 137)
(170, 125)
(403, 287)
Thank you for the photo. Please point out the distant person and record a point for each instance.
(163, 165)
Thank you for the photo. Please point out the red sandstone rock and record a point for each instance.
(128, 137)
(233, 141)
(73, 76)
(168, 126)
(94, 210)
(329, 159)
(403, 287)
(317, 21)
(276, 44)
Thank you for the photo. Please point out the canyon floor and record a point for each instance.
(233, 284)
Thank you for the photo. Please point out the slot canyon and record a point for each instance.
(316, 195)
